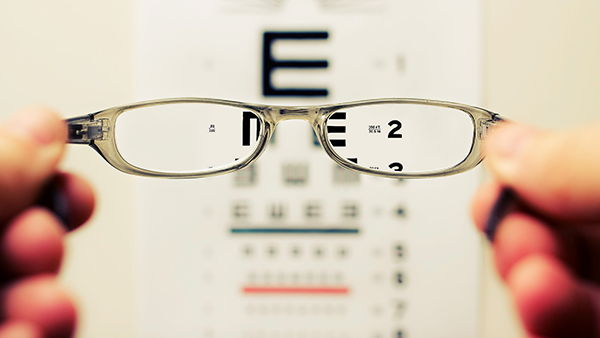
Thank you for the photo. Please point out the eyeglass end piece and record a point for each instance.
(86, 129)
(486, 123)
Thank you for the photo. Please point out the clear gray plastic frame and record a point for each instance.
(98, 131)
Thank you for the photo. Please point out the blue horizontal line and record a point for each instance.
(331, 231)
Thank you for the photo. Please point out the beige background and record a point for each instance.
(541, 67)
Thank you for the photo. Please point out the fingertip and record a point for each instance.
(40, 124)
(549, 300)
(32, 243)
(553, 172)
(41, 301)
(20, 329)
(504, 148)
(520, 236)
(31, 144)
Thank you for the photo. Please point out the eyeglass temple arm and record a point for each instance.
(86, 130)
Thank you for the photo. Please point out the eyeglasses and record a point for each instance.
(197, 137)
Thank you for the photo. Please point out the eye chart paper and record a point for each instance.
(407, 261)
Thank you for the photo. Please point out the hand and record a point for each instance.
(31, 236)
(548, 249)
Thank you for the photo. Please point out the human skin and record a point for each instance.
(32, 302)
(547, 250)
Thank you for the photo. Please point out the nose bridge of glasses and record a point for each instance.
(279, 114)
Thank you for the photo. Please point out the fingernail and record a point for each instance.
(53, 198)
(507, 145)
(35, 124)
(506, 202)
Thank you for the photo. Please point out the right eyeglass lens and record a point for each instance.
(186, 137)
(401, 137)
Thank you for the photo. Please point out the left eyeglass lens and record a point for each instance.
(186, 137)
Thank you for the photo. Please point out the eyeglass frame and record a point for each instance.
(98, 131)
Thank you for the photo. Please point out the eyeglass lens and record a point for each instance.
(186, 137)
(192, 137)
(401, 137)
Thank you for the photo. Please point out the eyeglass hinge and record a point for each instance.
(86, 129)
(486, 124)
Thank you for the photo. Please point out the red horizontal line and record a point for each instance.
(295, 290)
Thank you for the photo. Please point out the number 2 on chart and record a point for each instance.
(394, 132)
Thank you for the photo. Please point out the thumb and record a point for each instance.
(31, 145)
(556, 173)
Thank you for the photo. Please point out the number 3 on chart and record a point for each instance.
(396, 166)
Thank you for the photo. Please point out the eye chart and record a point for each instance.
(251, 254)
